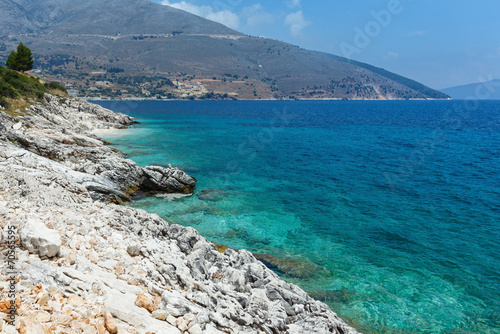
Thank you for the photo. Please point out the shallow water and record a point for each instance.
(387, 211)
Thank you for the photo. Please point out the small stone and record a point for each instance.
(108, 264)
(88, 329)
(195, 329)
(160, 314)
(119, 270)
(43, 299)
(145, 302)
(43, 316)
(100, 329)
(71, 258)
(182, 324)
(5, 306)
(97, 287)
(76, 301)
(64, 319)
(23, 256)
(171, 320)
(93, 257)
(133, 250)
(189, 317)
(54, 291)
(133, 281)
(109, 323)
(32, 326)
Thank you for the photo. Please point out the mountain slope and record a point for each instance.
(143, 38)
(483, 91)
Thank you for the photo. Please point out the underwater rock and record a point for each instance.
(211, 195)
(205, 209)
(289, 266)
(242, 234)
(332, 296)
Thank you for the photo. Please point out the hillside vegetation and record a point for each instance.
(18, 90)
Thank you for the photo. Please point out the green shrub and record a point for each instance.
(39, 94)
(14, 84)
(4, 104)
(7, 90)
(55, 85)
(18, 85)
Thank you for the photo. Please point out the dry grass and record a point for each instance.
(57, 92)
(17, 107)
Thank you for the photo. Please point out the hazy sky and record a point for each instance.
(440, 43)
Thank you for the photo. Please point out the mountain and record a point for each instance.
(167, 49)
(489, 90)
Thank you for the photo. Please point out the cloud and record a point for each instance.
(256, 16)
(297, 23)
(293, 3)
(391, 56)
(226, 17)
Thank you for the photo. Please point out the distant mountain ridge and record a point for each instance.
(144, 38)
(489, 90)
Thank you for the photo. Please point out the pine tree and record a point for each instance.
(22, 60)
(11, 62)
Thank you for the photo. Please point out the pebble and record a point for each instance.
(43, 299)
(109, 323)
(146, 302)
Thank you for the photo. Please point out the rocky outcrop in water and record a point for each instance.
(89, 266)
(59, 130)
(168, 179)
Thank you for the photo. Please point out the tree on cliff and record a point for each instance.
(22, 60)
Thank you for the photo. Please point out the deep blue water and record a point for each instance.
(387, 211)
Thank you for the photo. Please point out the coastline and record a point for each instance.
(90, 99)
(102, 132)
(114, 267)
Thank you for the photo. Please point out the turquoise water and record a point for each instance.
(387, 211)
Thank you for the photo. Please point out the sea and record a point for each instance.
(388, 211)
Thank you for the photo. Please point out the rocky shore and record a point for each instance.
(86, 263)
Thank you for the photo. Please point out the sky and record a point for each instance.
(441, 43)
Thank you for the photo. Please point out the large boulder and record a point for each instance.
(38, 238)
(167, 179)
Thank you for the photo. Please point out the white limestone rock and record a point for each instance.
(168, 179)
(38, 238)
(122, 306)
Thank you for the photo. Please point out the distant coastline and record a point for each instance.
(90, 99)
